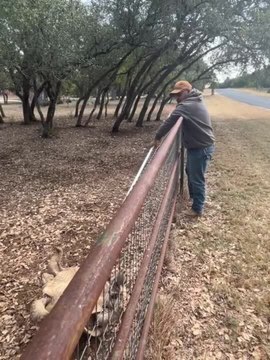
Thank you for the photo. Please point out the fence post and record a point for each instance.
(182, 167)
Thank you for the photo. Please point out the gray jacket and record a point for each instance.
(197, 127)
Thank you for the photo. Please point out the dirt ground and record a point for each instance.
(63, 191)
(214, 301)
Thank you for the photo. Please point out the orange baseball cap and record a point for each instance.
(180, 86)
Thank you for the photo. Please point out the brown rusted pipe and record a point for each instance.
(129, 314)
(150, 309)
(60, 331)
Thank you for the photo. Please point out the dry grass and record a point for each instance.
(161, 329)
(222, 285)
(223, 108)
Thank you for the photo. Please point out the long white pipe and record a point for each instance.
(140, 171)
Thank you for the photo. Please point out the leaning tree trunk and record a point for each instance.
(97, 101)
(85, 100)
(34, 103)
(134, 90)
(152, 92)
(53, 95)
(116, 125)
(24, 96)
(132, 94)
(26, 110)
(5, 98)
(144, 108)
(125, 111)
(106, 104)
(48, 123)
(97, 82)
(2, 115)
(119, 105)
(163, 103)
(153, 108)
(127, 84)
(142, 89)
(134, 108)
(122, 97)
(102, 101)
(81, 112)
(148, 64)
(25, 99)
(77, 106)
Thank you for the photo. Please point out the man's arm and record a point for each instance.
(168, 124)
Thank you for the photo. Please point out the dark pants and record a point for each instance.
(197, 161)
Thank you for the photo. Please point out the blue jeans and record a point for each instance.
(197, 161)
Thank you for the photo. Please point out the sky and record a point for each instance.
(231, 72)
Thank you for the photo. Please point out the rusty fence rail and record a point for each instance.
(106, 310)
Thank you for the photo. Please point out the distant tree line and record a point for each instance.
(258, 79)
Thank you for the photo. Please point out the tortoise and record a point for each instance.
(107, 308)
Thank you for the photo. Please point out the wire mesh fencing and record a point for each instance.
(123, 267)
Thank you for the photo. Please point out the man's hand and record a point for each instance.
(156, 143)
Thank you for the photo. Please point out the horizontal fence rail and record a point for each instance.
(106, 310)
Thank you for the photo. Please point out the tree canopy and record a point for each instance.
(128, 48)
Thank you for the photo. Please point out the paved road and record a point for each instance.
(256, 100)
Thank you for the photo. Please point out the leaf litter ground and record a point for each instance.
(56, 192)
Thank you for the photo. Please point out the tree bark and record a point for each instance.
(42, 118)
(134, 107)
(127, 84)
(153, 107)
(26, 110)
(25, 101)
(35, 103)
(106, 104)
(119, 105)
(53, 95)
(5, 97)
(94, 108)
(102, 101)
(2, 114)
(163, 103)
(77, 106)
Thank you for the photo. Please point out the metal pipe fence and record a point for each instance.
(106, 310)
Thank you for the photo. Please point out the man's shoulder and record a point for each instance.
(179, 108)
(188, 105)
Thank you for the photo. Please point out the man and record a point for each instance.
(198, 139)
